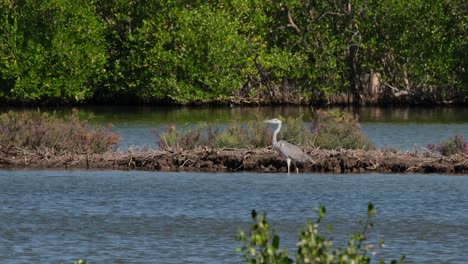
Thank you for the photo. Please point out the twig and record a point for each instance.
(291, 21)
(183, 164)
(330, 13)
(242, 165)
(374, 165)
(232, 149)
(131, 162)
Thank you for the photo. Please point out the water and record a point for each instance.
(410, 136)
(402, 128)
(146, 217)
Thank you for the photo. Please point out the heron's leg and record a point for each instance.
(288, 161)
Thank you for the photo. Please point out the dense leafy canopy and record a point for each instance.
(198, 51)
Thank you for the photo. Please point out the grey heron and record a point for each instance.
(286, 149)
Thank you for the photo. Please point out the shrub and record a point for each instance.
(38, 131)
(295, 131)
(451, 146)
(260, 133)
(188, 138)
(332, 129)
(236, 135)
(50, 50)
(254, 134)
(261, 245)
(338, 129)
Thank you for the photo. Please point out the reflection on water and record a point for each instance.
(182, 115)
(411, 136)
(146, 217)
(389, 127)
(155, 115)
(431, 115)
(399, 128)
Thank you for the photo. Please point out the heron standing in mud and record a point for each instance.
(286, 149)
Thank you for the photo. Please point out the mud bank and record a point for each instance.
(258, 160)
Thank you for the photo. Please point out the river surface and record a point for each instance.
(155, 217)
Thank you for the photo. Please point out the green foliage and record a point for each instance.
(331, 129)
(197, 51)
(417, 46)
(254, 134)
(50, 50)
(45, 133)
(338, 129)
(235, 135)
(189, 138)
(80, 261)
(295, 132)
(132, 29)
(261, 245)
(174, 51)
(451, 146)
(259, 132)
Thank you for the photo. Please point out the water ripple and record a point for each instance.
(143, 217)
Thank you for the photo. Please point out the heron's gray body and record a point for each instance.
(286, 149)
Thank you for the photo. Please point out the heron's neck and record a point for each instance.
(275, 134)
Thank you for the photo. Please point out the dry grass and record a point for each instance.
(46, 133)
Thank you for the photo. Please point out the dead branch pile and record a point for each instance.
(230, 160)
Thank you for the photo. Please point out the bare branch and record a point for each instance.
(396, 92)
(291, 21)
(330, 13)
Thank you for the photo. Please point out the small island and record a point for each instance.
(334, 142)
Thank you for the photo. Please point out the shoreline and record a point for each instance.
(237, 160)
(337, 100)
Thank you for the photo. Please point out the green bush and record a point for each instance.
(198, 51)
(295, 131)
(172, 51)
(188, 138)
(254, 134)
(331, 129)
(236, 135)
(262, 246)
(335, 129)
(37, 131)
(51, 50)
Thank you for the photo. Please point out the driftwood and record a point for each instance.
(231, 160)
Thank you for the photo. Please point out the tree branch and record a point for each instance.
(291, 21)
(330, 13)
